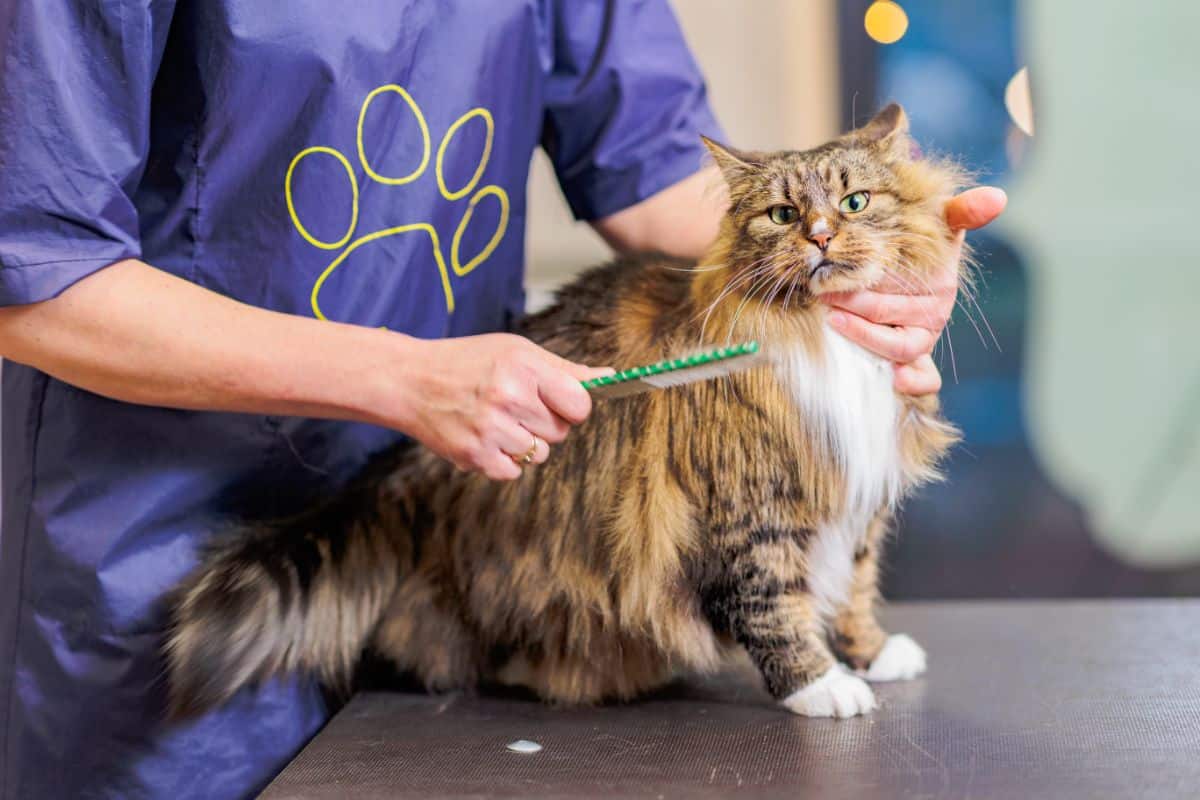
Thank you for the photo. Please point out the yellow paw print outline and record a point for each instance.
(346, 246)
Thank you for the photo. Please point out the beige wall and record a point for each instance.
(772, 73)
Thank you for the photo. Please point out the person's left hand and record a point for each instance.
(895, 322)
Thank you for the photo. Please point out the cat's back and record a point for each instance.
(619, 314)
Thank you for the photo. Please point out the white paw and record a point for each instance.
(837, 693)
(900, 659)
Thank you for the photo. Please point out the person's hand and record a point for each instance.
(900, 321)
(480, 401)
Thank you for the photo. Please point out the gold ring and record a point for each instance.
(526, 458)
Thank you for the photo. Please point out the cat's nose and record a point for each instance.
(820, 239)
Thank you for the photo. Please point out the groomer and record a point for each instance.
(244, 245)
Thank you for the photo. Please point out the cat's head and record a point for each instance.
(837, 217)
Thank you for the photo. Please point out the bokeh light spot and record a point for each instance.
(885, 21)
(1019, 102)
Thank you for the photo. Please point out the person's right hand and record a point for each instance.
(478, 401)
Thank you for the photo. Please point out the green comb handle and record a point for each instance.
(698, 360)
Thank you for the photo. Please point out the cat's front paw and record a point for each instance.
(901, 659)
(837, 693)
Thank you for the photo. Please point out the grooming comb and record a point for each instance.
(699, 367)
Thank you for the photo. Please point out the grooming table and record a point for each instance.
(1095, 699)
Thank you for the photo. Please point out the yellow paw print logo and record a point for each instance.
(351, 241)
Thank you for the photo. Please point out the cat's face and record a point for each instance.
(834, 218)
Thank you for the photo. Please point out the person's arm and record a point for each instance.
(135, 333)
(681, 220)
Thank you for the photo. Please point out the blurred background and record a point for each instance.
(1076, 379)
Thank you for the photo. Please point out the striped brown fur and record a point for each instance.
(669, 529)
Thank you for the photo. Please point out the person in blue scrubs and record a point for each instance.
(245, 245)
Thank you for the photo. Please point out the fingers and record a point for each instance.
(899, 344)
(499, 453)
(529, 408)
(926, 311)
(499, 467)
(515, 442)
(491, 396)
(559, 386)
(530, 401)
(541, 451)
(580, 372)
(918, 378)
(975, 208)
(544, 424)
(514, 424)
(564, 395)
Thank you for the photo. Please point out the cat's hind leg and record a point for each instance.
(857, 637)
(422, 633)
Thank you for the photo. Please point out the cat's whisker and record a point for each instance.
(971, 318)
(925, 283)
(925, 245)
(795, 279)
(950, 348)
(968, 289)
(892, 268)
(748, 273)
(915, 283)
(929, 320)
(785, 283)
(754, 267)
(762, 283)
(753, 290)
(791, 288)
(908, 270)
(986, 324)
(768, 303)
(776, 288)
(917, 278)
(728, 289)
(697, 268)
(741, 280)
(949, 339)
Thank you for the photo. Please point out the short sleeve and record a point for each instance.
(75, 83)
(625, 104)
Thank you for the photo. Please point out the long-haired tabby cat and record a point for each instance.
(672, 526)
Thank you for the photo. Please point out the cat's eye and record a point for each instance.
(854, 203)
(783, 215)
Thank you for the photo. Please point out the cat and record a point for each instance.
(669, 529)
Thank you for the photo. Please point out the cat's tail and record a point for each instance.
(298, 595)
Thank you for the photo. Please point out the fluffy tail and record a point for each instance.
(300, 595)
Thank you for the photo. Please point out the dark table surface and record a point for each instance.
(1023, 699)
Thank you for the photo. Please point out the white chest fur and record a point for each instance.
(847, 399)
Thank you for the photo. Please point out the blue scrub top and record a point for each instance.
(363, 162)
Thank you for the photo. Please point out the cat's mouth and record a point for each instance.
(827, 267)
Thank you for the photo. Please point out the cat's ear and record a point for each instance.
(887, 130)
(735, 165)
